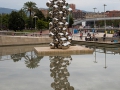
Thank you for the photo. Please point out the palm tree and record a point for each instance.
(30, 7)
(32, 62)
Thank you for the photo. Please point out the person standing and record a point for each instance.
(93, 38)
(40, 32)
(104, 37)
(81, 35)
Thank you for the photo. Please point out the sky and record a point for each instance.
(86, 5)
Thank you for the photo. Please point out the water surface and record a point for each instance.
(23, 70)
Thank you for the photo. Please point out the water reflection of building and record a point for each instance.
(59, 72)
(105, 50)
(102, 50)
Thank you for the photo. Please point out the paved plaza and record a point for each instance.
(97, 35)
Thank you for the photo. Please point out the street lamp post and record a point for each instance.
(94, 17)
(1, 21)
(119, 25)
(68, 17)
(104, 17)
(35, 21)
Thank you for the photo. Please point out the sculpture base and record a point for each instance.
(72, 50)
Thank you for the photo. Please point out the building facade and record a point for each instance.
(113, 13)
(44, 11)
(78, 14)
(90, 15)
(72, 6)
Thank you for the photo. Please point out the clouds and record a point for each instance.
(86, 5)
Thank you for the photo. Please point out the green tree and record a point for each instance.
(39, 14)
(22, 14)
(15, 21)
(4, 21)
(70, 21)
(30, 7)
(28, 23)
(48, 19)
(41, 24)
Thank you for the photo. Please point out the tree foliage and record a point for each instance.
(4, 21)
(39, 14)
(20, 20)
(22, 14)
(16, 22)
(42, 24)
(113, 23)
(30, 7)
(70, 21)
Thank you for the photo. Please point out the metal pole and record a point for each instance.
(1, 21)
(119, 25)
(35, 23)
(105, 61)
(94, 17)
(95, 55)
(104, 17)
(68, 18)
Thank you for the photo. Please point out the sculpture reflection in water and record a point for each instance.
(31, 60)
(59, 72)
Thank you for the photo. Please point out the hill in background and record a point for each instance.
(6, 10)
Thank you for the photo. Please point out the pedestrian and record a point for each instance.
(96, 31)
(81, 34)
(40, 32)
(104, 37)
(85, 31)
(93, 31)
(93, 37)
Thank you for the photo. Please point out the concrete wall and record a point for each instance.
(19, 49)
(23, 40)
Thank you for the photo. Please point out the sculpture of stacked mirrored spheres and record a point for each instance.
(58, 26)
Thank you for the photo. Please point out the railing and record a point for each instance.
(11, 33)
(74, 37)
(99, 39)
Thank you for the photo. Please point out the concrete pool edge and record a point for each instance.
(73, 50)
